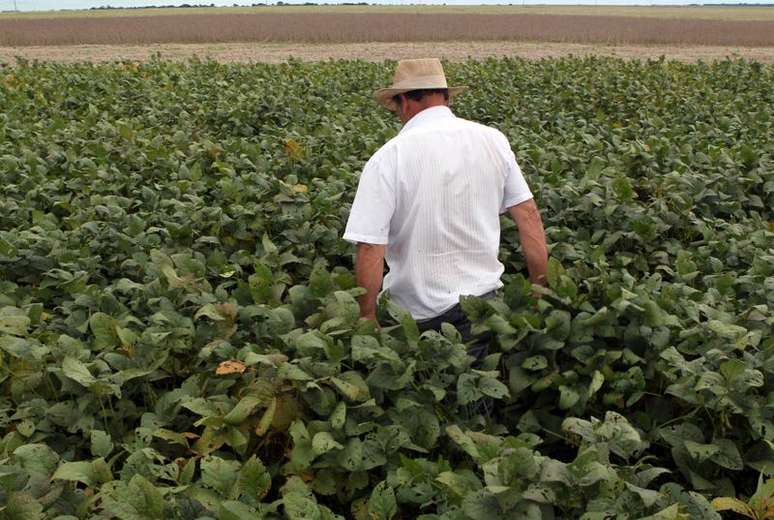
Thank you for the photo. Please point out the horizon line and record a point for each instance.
(304, 3)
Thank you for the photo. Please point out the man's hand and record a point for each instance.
(369, 271)
(533, 239)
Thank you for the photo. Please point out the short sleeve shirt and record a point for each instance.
(433, 195)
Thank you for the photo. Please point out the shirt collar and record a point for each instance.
(427, 116)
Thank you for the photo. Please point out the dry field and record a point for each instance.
(351, 27)
(727, 13)
(379, 51)
(273, 34)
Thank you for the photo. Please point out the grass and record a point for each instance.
(727, 13)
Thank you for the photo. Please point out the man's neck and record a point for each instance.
(423, 108)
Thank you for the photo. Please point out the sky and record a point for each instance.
(43, 5)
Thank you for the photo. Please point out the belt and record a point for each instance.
(486, 296)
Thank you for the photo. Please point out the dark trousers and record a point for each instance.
(478, 346)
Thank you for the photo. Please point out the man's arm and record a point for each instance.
(369, 271)
(533, 239)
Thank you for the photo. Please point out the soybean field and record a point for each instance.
(179, 332)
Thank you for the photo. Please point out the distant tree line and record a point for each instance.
(728, 5)
(188, 6)
(281, 3)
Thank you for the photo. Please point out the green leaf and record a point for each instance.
(187, 472)
(597, 380)
(352, 385)
(568, 397)
(210, 311)
(482, 506)
(104, 329)
(728, 455)
(254, 481)
(299, 501)
(691, 503)
(763, 499)
(701, 452)
(368, 349)
(22, 506)
(467, 389)
(243, 409)
(648, 496)
(13, 321)
(101, 443)
(463, 441)
(37, 458)
(351, 458)
(232, 510)
(493, 388)
(726, 330)
(732, 369)
(320, 281)
(7, 249)
(126, 337)
(519, 380)
(517, 466)
(293, 372)
(672, 512)
(407, 323)
(90, 473)
(535, 363)
(323, 442)
(555, 471)
(339, 416)
(308, 342)
(558, 324)
(382, 504)
(26, 349)
(219, 474)
(302, 454)
(146, 498)
(622, 188)
(78, 372)
(460, 482)
(201, 407)
(554, 271)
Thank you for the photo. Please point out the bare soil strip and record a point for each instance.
(378, 51)
(382, 27)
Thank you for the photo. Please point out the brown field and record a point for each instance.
(352, 27)
(453, 51)
(706, 12)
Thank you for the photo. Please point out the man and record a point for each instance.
(429, 201)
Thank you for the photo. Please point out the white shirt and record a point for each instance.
(433, 194)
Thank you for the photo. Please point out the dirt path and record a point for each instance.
(454, 51)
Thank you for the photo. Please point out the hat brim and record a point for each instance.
(384, 96)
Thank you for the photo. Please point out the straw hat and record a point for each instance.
(414, 75)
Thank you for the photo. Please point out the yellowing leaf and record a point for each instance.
(266, 419)
(293, 149)
(231, 366)
(735, 505)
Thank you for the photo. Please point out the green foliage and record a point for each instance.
(179, 333)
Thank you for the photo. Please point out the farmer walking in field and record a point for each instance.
(429, 202)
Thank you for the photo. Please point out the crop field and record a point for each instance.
(179, 332)
(330, 26)
(704, 12)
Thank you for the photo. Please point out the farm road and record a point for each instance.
(378, 51)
